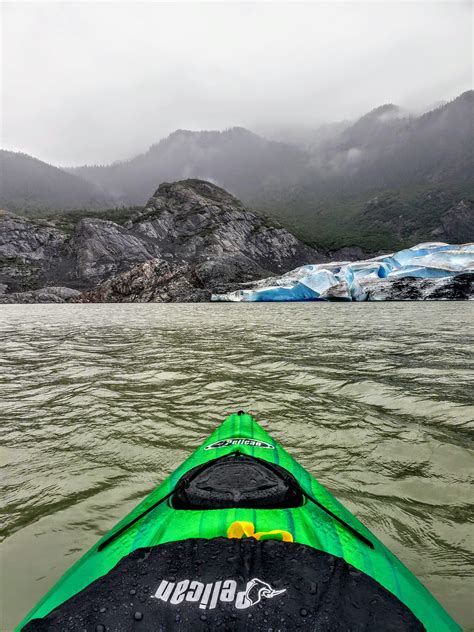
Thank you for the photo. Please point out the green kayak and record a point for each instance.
(239, 537)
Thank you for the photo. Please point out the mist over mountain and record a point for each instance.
(383, 148)
(322, 183)
(241, 161)
(387, 178)
(382, 181)
(28, 184)
(392, 149)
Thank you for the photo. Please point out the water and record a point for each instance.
(100, 402)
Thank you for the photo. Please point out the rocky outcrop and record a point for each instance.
(156, 281)
(29, 251)
(457, 223)
(43, 295)
(190, 222)
(195, 220)
(99, 249)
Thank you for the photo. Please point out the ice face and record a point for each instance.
(350, 280)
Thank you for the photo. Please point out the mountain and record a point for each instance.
(383, 182)
(397, 150)
(28, 184)
(386, 181)
(310, 139)
(238, 160)
(189, 227)
(385, 147)
(324, 186)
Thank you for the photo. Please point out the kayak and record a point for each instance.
(239, 537)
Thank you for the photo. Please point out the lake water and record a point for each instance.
(100, 402)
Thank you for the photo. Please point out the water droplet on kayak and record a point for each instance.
(312, 588)
(133, 592)
(138, 616)
(203, 617)
(100, 628)
(103, 609)
(303, 612)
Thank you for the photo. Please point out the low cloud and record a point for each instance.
(98, 82)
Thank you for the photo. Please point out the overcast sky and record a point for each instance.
(98, 82)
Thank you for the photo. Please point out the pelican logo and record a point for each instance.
(251, 443)
(256, 589)
(208, 595)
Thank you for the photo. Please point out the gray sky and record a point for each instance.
(98, 82)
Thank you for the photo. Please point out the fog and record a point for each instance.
(94, 83)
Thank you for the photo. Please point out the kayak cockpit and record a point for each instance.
(237, 480)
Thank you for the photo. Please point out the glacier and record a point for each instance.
(421, 272)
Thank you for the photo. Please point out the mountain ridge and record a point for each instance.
(27, 183)
(323, 191)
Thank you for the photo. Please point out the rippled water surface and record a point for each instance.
(100, 402)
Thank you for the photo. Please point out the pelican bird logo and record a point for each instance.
(256, 590)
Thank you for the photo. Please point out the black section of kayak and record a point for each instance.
(231, 584)
(237, 481)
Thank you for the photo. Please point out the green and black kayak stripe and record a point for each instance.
(239, 537)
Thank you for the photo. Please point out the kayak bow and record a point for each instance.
(239, 536)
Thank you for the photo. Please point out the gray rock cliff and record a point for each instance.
(155, 281)
(191, 222)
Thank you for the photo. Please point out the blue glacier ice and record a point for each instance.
(359, 280)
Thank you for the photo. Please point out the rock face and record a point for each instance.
(197, 221)
(99, 249)
(155, 281)
(43, 295)
(28, 252)
(192, 222)
(189, 221)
